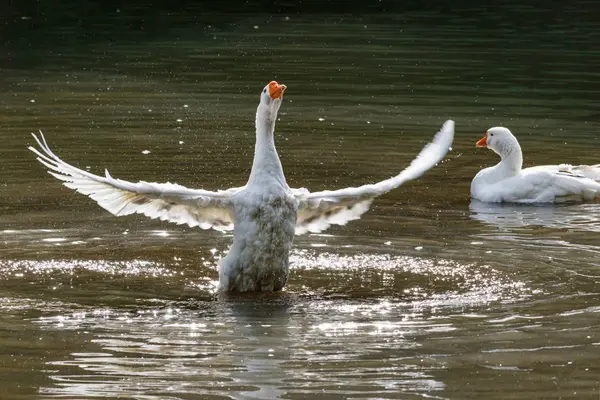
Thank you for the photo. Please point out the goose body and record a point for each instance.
(263, 236)
(264, 215)
(507, 181)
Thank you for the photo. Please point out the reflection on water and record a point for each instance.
(564, 237)
(429, 295)
(507, 217)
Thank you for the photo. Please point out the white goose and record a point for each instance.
(508, 182)
(264, 214)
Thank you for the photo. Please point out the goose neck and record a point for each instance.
(266, 164)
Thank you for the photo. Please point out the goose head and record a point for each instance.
(500, 140)
(271, 98)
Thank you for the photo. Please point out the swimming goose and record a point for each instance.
(508, 182)
(265, 214)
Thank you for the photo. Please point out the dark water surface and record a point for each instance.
(427, 296)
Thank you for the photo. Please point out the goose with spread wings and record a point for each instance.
(265, 214)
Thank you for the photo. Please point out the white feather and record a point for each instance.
(317, 211)
(165, 201)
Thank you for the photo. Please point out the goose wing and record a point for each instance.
(551, 184)
(165, 201)
(319, 210)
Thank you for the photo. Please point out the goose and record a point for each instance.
(264, 215)
(508, 182)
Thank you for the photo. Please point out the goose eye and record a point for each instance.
(491, 134)
(264, 90)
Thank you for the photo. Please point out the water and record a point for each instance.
(427, 296)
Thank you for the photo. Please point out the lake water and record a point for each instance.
(427, 296)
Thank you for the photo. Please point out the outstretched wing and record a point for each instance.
(317, 211)
(165, 201)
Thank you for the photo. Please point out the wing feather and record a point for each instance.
(317, 211)
(165, 201)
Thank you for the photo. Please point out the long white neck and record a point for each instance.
(266, 165)
(511, 156)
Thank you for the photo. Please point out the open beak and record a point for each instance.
(276, 90)
(482, 142)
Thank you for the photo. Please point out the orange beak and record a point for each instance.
(482, 142)
(276, 90)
